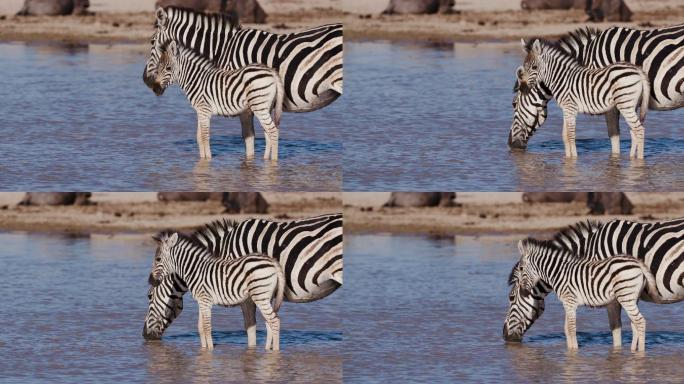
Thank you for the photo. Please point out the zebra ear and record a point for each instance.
(521, 247)
(524, 45)
(173, 48)
(162, 18)
(536, 46)
(172, 240)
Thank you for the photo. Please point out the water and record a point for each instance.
(73, 311)
(425, 309)
(437, 118)
(81, 118)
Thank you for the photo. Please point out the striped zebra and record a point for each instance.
(529, 110)
(659, 52)
(309, 251)
(660, 245)
(310, 62)
(582, 282)
(579, 89)
(256, 279)
(215, 91)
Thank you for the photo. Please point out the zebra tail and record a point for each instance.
(280, 290)
(280, 97)
(651, 288)
(645, 97)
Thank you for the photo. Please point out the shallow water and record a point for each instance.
(428, 309)
(437, 118)
(73, 311)
(81, 118)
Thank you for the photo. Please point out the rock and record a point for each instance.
(247, 11)
(610, 203)
(418, 7)
(56, 198)
(421, 199)
(555, 197)
(552, 4)
(244, 202)
(54, 7)
(598, 10)
(190, 196)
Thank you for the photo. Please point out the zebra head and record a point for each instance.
(165, 304)
(163, 265)
(167, 65)
(528, 73)
(159, 41)
(529, 113)
(525, 305)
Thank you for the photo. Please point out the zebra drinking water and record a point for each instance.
(309, 62)
(660, 245)
(309, 251)
(656, 51)
(581, 282)
(214, 91)
(254, 278)
(578, 89)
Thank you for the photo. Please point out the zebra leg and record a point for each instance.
(205, 325)
(613, 123)
(636, 130)
(614, 311)
(203, 121)
(638, 325)
(247, 122)
(249, 314)
(571, 326)
(272, 322)
(270, 131)
(569, 118)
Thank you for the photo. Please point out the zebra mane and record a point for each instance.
(183, 237)
(512, 278)
(580, 230)
(579, 36)
(230, 18)
(213, 230)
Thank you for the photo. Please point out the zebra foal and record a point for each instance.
(254, 88)
(578, 89)
(579, 282)
(213, 281)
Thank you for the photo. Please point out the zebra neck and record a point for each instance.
(188, 66)
(188, 260)
(204, 33)
(550, 266)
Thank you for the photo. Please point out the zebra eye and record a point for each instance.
(157, 259)
(534, 67)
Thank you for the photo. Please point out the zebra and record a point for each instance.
(582, 282)
(214, 91)
(660, 245)
(309, 251)
(529, 112)
(587, 90)
(658, 51)
(310, 62)
(253, 278)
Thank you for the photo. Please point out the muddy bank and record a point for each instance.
(112, 213)
(478, 218)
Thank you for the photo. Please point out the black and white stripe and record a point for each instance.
(659, 52)
(660, 245)
(214, 91)
(310, 62)
(252, 280)
(580, 281)
(309, 251)
(579, 89)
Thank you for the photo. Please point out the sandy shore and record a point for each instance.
(493, 20)
(491, 213)
(140, 212)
